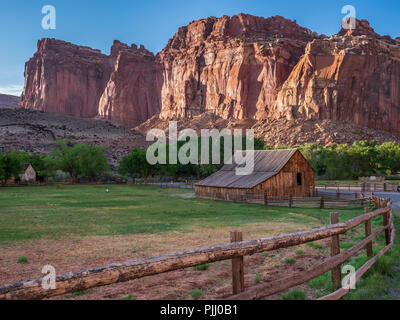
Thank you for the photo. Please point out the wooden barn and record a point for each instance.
(276, 173)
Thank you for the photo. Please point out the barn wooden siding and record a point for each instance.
(282, 183)
(285, 182)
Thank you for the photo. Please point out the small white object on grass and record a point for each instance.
(107, 190)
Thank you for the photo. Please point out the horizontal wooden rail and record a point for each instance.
(366, 186)
(121, 272)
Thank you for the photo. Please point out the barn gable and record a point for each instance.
(276, 173)
(267, 164)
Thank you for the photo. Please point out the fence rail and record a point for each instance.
(320, 199)
(362, 187)
(235, 251)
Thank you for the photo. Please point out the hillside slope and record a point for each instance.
(36, 131)
(8, 102)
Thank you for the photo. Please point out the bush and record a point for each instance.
(290, 261)
(196, 293)
(257, 278)
(294, 295)
(202, 267)
(23, 259)
(300, 252)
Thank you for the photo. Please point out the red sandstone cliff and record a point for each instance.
(132, 94)
(66, 79)
(353, 78)
(233, 67)
(238, 68)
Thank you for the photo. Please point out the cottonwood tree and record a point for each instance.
(80, 160)
(11, 165)
(136, 165)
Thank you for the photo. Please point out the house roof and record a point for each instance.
(267, 163)
(26, 166)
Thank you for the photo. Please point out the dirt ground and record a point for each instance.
(82, 253)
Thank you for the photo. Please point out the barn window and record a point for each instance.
(299, 179)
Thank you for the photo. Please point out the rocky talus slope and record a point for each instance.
(37, 132)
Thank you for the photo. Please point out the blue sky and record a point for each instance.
(96, 23)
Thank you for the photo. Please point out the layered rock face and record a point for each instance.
(236, 68)
(66, 79)
(132, 94)
(233, 67)
(353, 78)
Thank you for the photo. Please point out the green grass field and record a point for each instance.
(51, 212)
(28, 213)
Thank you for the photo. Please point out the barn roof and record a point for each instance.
(267, 163)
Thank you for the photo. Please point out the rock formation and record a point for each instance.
(353, 78)
(237, 68)
(233, 67)
(132, 94)
(66, 79)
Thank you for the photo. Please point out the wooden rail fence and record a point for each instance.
(235, 251)
(321, 199)
(362, 187)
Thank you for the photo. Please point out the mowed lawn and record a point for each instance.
(29, 213)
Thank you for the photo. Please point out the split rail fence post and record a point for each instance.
(335, 250)
(290, 201)
(322, 203)
(265, 198)
(368, 231)
(385, 223)
(237, 266)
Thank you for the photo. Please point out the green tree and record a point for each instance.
(11, 165)
(136, 165)
(389, 158)
(92, 161)
(315, 156)
(44, 166)
(80, 160)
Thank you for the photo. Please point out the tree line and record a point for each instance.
(79, 161)
(361, 159)
(87, 162)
